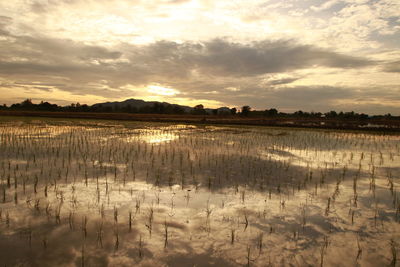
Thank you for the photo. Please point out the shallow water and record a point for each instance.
(99, 193)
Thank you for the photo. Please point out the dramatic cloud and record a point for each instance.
(222, 58)
(393, 67)
(40, 55)
(290, 55)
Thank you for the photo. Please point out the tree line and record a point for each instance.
(162, 108)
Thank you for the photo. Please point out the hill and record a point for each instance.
(138, 104)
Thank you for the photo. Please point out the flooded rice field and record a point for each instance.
(103, 193)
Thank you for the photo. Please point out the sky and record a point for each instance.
(308, 55)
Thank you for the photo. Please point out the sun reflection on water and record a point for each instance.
(147, 195)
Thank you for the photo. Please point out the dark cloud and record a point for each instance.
(228, 58)
(26, 56)
(66, 48)
(199, 70)
(164, 59)
(192, 68)
(36, 84)
(393, 66)
(282, 81)
(222, 58)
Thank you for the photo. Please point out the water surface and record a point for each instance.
(106, 193)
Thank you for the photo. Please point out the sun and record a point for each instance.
(160, 90)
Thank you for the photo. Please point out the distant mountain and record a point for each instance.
(140, 104)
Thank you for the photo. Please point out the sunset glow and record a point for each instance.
(159, 90)
(259, 53)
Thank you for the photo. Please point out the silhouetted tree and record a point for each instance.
(199, 110)
(271, 112)
(165, 108)
(27, 102)
(299, 113)
(246, 110)
(331, 114)
(46, 106)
